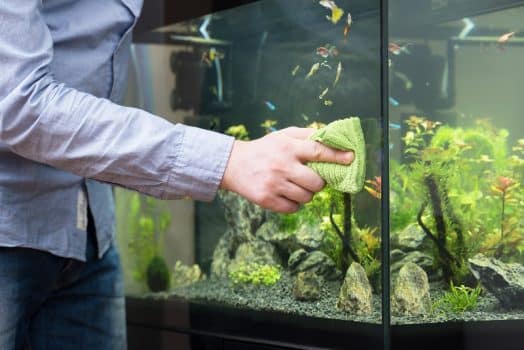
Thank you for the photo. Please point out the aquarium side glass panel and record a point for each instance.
(247, 72)
(456, 162)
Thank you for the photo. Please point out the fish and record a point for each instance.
(339, 72)
(347, 27)
(326, 51)
(504, 38)
(295, 70)
(270, 105)
(336, 12)
(305, 117)
(394, 102)
(328, 4)
(209, 56)
(321, 96)
(394, 125)
(323, 52)
(313, 70)
(397, 49)
(408, 84)
(376, 187)
(328, 103)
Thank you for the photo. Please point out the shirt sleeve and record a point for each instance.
(44, 120)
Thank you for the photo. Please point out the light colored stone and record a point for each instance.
(355, 294)
(270, 232)
(412, 237)
(411, 292)
(184, 275)
(423, 260)
(255, 251)
(309, 238)
(307, 286)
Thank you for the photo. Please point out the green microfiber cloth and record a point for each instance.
(344, 134)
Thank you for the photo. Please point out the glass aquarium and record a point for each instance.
(431, 241)
(456, 163)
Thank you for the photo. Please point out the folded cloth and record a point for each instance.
(344, 134)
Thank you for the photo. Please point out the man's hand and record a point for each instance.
(271, 171)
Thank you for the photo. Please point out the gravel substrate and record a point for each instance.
(279, 297)
(488, 309)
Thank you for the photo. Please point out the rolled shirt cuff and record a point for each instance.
(198, 164)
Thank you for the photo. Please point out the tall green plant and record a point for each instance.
(148, 221)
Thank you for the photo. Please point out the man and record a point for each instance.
(64, 140)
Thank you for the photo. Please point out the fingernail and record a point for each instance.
(348, 157)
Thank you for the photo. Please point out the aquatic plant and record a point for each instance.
(269, 125)
(147, 220)
(433, 167)
(458, 299)
(158, 277)
(504, 185)
(239, 132)
(254, 273)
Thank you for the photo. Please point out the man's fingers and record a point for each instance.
(311, 151)
(306, 178)
(297, 133)
(295, 193)
(283, 205)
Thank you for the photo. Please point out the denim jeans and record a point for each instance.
(48, 302)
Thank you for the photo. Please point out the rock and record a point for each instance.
(309, 237)
(255, 251)
(355, 294)
(157, 275)
(285, 241)
(504, 281)
(184, 275)
(410, 238)
(296, 258)
(224, 253)
(396, 255)
(316, 261)
(425, 261)
(242, 217)
(411, 292)
(307, 286)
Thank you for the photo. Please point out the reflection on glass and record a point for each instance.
(457, 167)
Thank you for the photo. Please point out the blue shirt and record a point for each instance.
(63, 138)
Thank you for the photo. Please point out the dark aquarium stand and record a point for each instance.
(175, 323)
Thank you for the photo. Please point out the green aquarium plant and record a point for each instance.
(254, 273)
(148, 220)
(239, 132)
(458, 299)
(433, 167)
(157, 274)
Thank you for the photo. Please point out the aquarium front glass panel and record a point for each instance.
(247, 72)
(456, 162)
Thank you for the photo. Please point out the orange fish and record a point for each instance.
(347, 27)
(397, 49)
(376, 187)
(505, 37)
